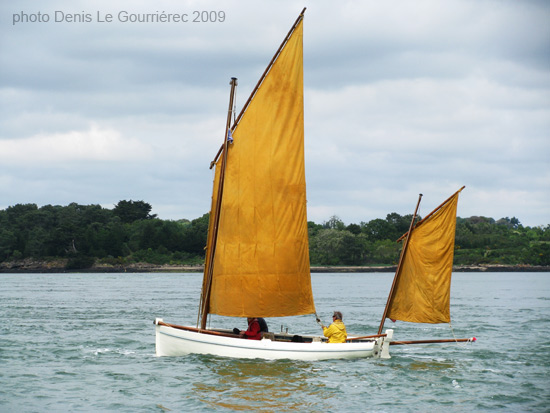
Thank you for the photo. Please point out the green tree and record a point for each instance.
(130, 233)
(313, 228)
(378, 229)
(334, 223)
(354, 229)
(130, 211)
(194, 235)
(386, 252)
(336, 247)
(7, 242)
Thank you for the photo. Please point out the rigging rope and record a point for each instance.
(318, 319)
(456, 341)
(235, 107)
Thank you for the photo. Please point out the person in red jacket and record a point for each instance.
(254, 331)
(254, 323)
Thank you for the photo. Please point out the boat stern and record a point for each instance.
(382, 346)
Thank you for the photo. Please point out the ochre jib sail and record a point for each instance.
(260, 265)
(423, 282)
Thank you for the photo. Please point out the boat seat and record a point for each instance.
(268, 336)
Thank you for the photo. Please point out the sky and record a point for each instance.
(401, 98)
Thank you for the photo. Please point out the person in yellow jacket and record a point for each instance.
(336, 332)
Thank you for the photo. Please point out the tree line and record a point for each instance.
(129, 233)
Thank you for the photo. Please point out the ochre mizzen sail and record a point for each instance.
(423, 287)
(261, 260)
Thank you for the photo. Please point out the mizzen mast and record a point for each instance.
(398, 270)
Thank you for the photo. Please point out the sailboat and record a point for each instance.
(257, 253)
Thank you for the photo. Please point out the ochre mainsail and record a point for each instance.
(423, 283)
(260, 265)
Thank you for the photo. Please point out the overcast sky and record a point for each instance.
(401, 98)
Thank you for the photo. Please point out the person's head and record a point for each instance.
(337, 315)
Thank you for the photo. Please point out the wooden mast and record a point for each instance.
(205, 297)
(398, 270)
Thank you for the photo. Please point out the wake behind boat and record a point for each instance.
(257, 252)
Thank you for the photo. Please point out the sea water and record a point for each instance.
(86, 343)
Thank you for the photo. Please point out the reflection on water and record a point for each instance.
(431, 365)
(258, 384)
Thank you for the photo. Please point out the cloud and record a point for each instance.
(93, 144)
(400, 98)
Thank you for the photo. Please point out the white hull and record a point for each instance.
(172, 341)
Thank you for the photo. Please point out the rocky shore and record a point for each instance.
(60, 266)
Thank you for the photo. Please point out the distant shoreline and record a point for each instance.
(59, 266)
